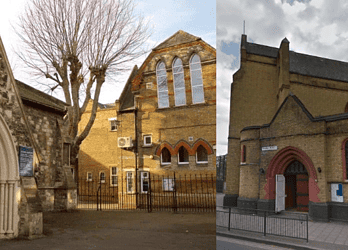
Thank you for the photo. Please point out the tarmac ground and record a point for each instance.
(84, 229)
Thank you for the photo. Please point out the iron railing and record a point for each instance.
(158, 192)
(262, 221)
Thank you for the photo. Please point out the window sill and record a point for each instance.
(112, 130)
(187, 106)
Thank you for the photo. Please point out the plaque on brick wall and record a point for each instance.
(26, 161)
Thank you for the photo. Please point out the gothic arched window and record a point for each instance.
(165, 156)
(162, 86)
(196, 79)
(201, 154)
(179, 82)
(183, 155)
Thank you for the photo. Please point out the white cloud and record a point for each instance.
(312, 27)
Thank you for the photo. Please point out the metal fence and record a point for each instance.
(157, 192)
(261, 221)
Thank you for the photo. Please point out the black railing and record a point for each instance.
(294, 225)
(158, 192)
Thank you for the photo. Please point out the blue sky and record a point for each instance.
(196, 17)
(315, 27)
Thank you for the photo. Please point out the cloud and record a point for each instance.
(313, 27)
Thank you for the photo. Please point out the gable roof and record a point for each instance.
(30, 94)
(329, 118)
(305, 64)
(179, 37)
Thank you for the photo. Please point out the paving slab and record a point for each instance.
(122, 230)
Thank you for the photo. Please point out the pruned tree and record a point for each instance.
(76, 44)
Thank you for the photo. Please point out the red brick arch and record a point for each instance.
(200, 142)
(165, 145)
(281, 161)
(185, 145)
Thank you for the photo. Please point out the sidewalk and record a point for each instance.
(124, 230)
(331, 235)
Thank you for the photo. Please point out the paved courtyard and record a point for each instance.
(122, 230)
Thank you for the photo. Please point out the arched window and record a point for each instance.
(183, 155)
(201, 155)
(179, 82)
(196, 79)
(162, 86)
(165, 156)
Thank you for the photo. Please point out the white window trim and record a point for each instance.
(111, 175)
(183, 162)
(89, 179)
(149, 85)
(144, 140)
(111, 120)
(175, 88)
(158, 86)
(200, 161)
(142, 179)
(200, 62)
(102, 181)
(133, 189)
(165, 163)
(168, 188)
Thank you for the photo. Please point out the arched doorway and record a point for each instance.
(9, 177)
(296, 187)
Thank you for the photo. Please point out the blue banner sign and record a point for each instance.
(26, 161)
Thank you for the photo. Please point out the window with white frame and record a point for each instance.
(179, 82)
(144, 182)
(196, 79)
(129, 182)
(201, 155)
(102, 177)
(89, 176)
(168, 184)
(162, 86)
(113, 124)
(165, 156)
(113, 176)
(183, 155)
(147, 140)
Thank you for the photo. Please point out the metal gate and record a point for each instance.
(149, 192)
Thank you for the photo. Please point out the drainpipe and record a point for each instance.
(136, 148)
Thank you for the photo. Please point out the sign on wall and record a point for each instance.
(269, 148)
(337, 192)
(26, 161)
(168, 184)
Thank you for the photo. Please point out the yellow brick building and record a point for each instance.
(163, 122)
(287, 144)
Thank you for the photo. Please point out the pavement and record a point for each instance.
(83, 229)
(321, 235)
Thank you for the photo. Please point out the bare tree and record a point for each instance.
(75, 44)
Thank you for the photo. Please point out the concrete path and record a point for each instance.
(330, 235)
(122, 230)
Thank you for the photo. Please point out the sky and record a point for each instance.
(315, 27)
(197, 17)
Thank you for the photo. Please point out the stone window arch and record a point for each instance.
(162, 85)
(179, 82)
(196, 79)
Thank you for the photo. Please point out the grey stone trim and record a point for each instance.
(249, 203)
(319, 211)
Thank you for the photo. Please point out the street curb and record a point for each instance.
(268, 242)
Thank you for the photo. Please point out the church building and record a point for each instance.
(288, 135)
